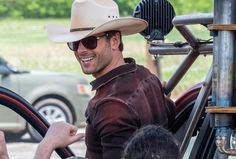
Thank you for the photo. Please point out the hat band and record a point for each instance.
(81, 29)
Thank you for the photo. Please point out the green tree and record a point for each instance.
(180, 6)
(35, 8)
(127, 6)
(61, 8)
(192, 6)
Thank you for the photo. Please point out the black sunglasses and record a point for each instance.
(89, 42)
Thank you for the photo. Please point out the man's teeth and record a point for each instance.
(86, 59)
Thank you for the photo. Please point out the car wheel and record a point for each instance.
(53, 110)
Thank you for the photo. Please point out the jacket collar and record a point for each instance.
(130, 66)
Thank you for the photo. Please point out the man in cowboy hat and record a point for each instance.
(127, 95)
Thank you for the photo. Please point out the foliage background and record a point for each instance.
(61, 8)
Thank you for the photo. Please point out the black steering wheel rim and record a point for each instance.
(27, 111)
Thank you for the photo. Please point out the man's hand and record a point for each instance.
(3, 147)
(59, 135)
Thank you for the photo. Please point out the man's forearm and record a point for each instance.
(4, 157)
(3, 147)
(44, 151)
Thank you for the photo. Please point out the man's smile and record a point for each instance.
(86, 59)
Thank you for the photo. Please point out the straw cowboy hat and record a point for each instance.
(90, 17)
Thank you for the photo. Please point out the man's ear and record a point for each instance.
(115, 41)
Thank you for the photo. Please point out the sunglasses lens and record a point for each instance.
(73, 45)
(90, 42)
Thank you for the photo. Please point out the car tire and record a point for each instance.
(53, 110)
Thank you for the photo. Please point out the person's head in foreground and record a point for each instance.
(95, 34)
(152, 142)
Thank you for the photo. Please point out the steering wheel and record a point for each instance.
(27, 111)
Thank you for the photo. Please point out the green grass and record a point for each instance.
(24, 44)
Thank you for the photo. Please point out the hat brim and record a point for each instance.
(126, 26)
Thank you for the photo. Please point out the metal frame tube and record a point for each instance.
(180, 72)
(197, 111)
(223, 62)
(203, 18)
(169, 49)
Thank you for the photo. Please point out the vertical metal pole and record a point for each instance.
(197, 111)
(223, 62)
(158, 66)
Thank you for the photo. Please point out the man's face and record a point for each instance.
(96, 61)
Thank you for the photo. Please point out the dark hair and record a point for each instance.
(112, 33)
(152, 142)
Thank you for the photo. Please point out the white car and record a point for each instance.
(57, 96)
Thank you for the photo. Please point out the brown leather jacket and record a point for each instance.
(126, 99)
